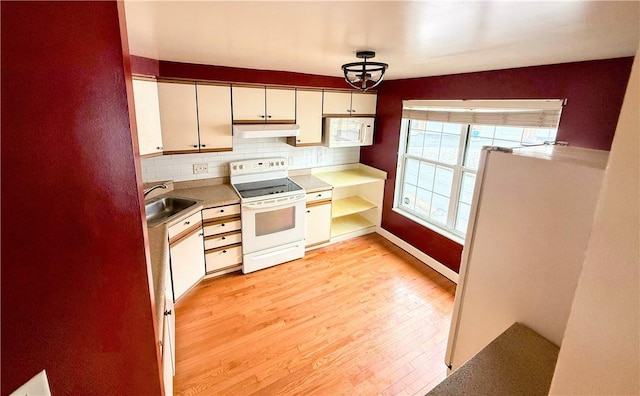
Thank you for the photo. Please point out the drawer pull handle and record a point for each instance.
(194, 146)
(222, 225)
(221, 210)
(201, 234)
(167, 312)
(319, 195)
(224, 251)
(308, 211)
(223, 238)
(187, 222)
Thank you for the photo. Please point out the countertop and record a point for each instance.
(207, 196)
(311, 183)
(517, 362)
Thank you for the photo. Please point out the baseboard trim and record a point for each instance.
(431, 262)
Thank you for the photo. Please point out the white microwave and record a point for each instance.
(348, 131)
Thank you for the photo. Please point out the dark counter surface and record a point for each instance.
(517, 362)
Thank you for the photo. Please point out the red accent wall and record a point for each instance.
(594, 90)
(168, 69)
(146, 66)
(75, 291)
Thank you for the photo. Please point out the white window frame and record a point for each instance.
(459, 168)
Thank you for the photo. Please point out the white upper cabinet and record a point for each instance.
(349, 103)
(214, 117)
(195, 117)
(248, 104)
(281, 105)
(260, 104)
(179, 118)
(363, 103)
(336, 103)
(145, 97)
(309, 117)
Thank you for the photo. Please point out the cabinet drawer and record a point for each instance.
(222, 227)
(184, 224)
(216, 241)
(319, 196)
(220, 211)
(222, 258)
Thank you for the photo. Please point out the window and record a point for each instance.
(440, 150)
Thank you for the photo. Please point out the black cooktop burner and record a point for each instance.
(266, 188)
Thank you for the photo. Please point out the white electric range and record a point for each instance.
(272, 211)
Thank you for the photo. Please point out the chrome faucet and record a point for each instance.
(148, 190)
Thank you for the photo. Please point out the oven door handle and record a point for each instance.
(270, 205)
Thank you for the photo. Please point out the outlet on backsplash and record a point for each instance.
(200, 168)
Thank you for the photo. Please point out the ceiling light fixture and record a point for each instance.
(364, 75)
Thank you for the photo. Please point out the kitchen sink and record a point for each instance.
(167, 208)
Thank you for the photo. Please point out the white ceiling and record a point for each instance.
(416, 38)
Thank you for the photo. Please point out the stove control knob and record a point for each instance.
(235, 167)
(271, 163)
(241, 166)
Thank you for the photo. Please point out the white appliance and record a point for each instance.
(272, 212)
(528, 230)
(254, 131)
(348, 131)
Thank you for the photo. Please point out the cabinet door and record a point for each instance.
(178, 116)
(187, 263)
(168, 340)
(170, 319)
(248, 104)
(363, 104)
(281, 105)
(214, 117)
(167, 360)
(145, 97)
(336, 103)
(309, 117)
(318, 224)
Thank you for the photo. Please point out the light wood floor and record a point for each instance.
(358, 317)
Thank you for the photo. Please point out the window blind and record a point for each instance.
(477, 114)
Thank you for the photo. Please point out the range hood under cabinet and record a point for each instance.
(249, 131)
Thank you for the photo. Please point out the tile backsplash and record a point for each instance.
(180, 167)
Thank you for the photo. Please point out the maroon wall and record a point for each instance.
(168, 69)
(75, 291)
(146, 66)
(594, 91)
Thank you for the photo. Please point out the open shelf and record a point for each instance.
(351, 223)
(347, 177)
(350, 205)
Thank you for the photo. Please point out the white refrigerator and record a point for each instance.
(528, 230)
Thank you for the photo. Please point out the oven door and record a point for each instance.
(272, 222)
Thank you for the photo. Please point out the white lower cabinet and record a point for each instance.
(222, 239)
(187, 261)
(223, 257)
(317, 226)
(168, 338)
